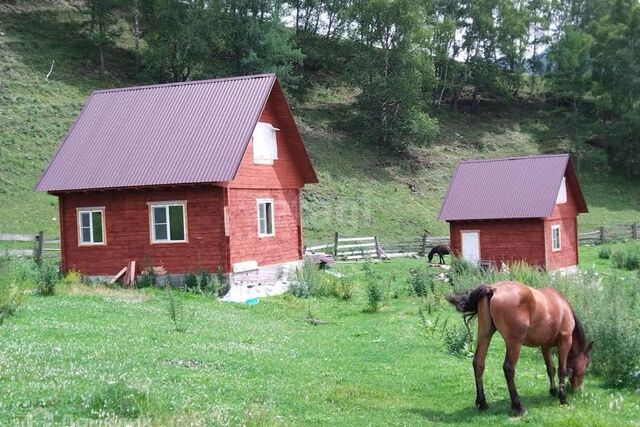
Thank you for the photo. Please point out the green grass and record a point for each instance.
(112, 354)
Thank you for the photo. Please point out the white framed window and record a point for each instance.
(265, 218)
(555, 237)
(168, 222)
(562, 193)
(91, 229)
(265, 144)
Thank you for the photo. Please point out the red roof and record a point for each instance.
(176, 133)
(517, 187)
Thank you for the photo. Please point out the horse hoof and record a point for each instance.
(563, 401)
(553, 392)
(482, 406)
(518, 412)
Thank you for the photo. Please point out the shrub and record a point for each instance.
(627, 258)
(202, 282)
(375, 295)
(456, 339)
(604, 253)
(48, 278)
(609, 312)
(420, 282)
(306, 280)
(11, 297)
(176, 310)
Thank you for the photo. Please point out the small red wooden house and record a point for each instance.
(190, 176)
(513, 209)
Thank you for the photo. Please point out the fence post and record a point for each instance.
(335, 245)
(634, 231)
(424, 245)
(39, 247)
(601, 235)
(378, 252)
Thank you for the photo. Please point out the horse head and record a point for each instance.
(577, 364)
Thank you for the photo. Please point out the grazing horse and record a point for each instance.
(531, 317)
(441, 250)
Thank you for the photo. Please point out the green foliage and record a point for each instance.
(627, 258)
(373, 287)
(420, 281)
(609, 312)
(203, 282)
(176, 310)
(456, 339)
(530, 275)
(604, 253)
(119, 399)
(15, 275)
(48, 277)
(147, 273)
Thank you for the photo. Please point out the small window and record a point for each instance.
(91, 226)
(555, 237)
(265, 218)
(265, 145)
(168, 222)
(562, 193)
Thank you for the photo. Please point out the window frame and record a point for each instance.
(260, 201)
(90, 210)
(555, 227)
(260, 160)
(166, 205)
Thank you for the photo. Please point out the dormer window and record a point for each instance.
(562, 193)
(265, 146)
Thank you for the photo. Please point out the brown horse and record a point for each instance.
(531, 317)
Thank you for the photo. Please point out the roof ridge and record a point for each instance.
(533, 156)
(186, 83)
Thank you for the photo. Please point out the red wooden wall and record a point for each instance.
(504, 240)
(128, 233)
(564, 214)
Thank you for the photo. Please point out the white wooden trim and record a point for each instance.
(152, 236)
(90, 210)
(559, 228)
(273, 216)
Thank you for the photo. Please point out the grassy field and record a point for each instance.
(114, 355)
(364, 188)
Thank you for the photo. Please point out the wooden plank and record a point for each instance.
(17, 252)
(369, 251)
(39, 247)
(335, 244)
(51, 249)
(18, 237)
(357, 245)
(402, 254)
(315, 248)
(355, 239)
(117, 276)
(56, 240)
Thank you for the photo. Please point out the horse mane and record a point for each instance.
(579, 336)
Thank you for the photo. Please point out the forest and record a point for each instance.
(408, 60)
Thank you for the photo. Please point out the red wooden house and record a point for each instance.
(190, 176)
(513, 209)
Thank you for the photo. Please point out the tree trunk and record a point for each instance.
(101, 50)
(136, 31)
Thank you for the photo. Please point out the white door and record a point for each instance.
(471, 246)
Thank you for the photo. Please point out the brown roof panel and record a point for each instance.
(517, 187)
(177, 133)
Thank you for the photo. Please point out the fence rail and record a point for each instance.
(42, 248)
(358, 248)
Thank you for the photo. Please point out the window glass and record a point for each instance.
(265, 217)
(96, 217)
(555, 237)
(176, 222)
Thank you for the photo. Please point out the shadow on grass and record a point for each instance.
(470, 414)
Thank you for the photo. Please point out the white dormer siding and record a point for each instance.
(562, 193)
(265, 146)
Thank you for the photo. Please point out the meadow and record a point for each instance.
(111, 356)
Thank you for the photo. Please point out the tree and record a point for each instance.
(102, 24)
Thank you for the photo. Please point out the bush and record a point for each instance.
(456, 339)
(627, 258)
(375, 295)
(604, 253)
(48, 278)
(202, 282)
(609, 312)
(306, 281)
(420, 282)
(522, 272)
(11, 297)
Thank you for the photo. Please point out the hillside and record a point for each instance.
(364, 189)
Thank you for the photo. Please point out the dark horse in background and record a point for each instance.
(531, 317)
(441, 250)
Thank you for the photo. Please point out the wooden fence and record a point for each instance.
(42, 248)
(359, 248)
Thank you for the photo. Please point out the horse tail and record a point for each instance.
(466, 302)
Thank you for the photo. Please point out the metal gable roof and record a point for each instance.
(518, 187)
(177, 133)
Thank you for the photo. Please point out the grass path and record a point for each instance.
(114, 354)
